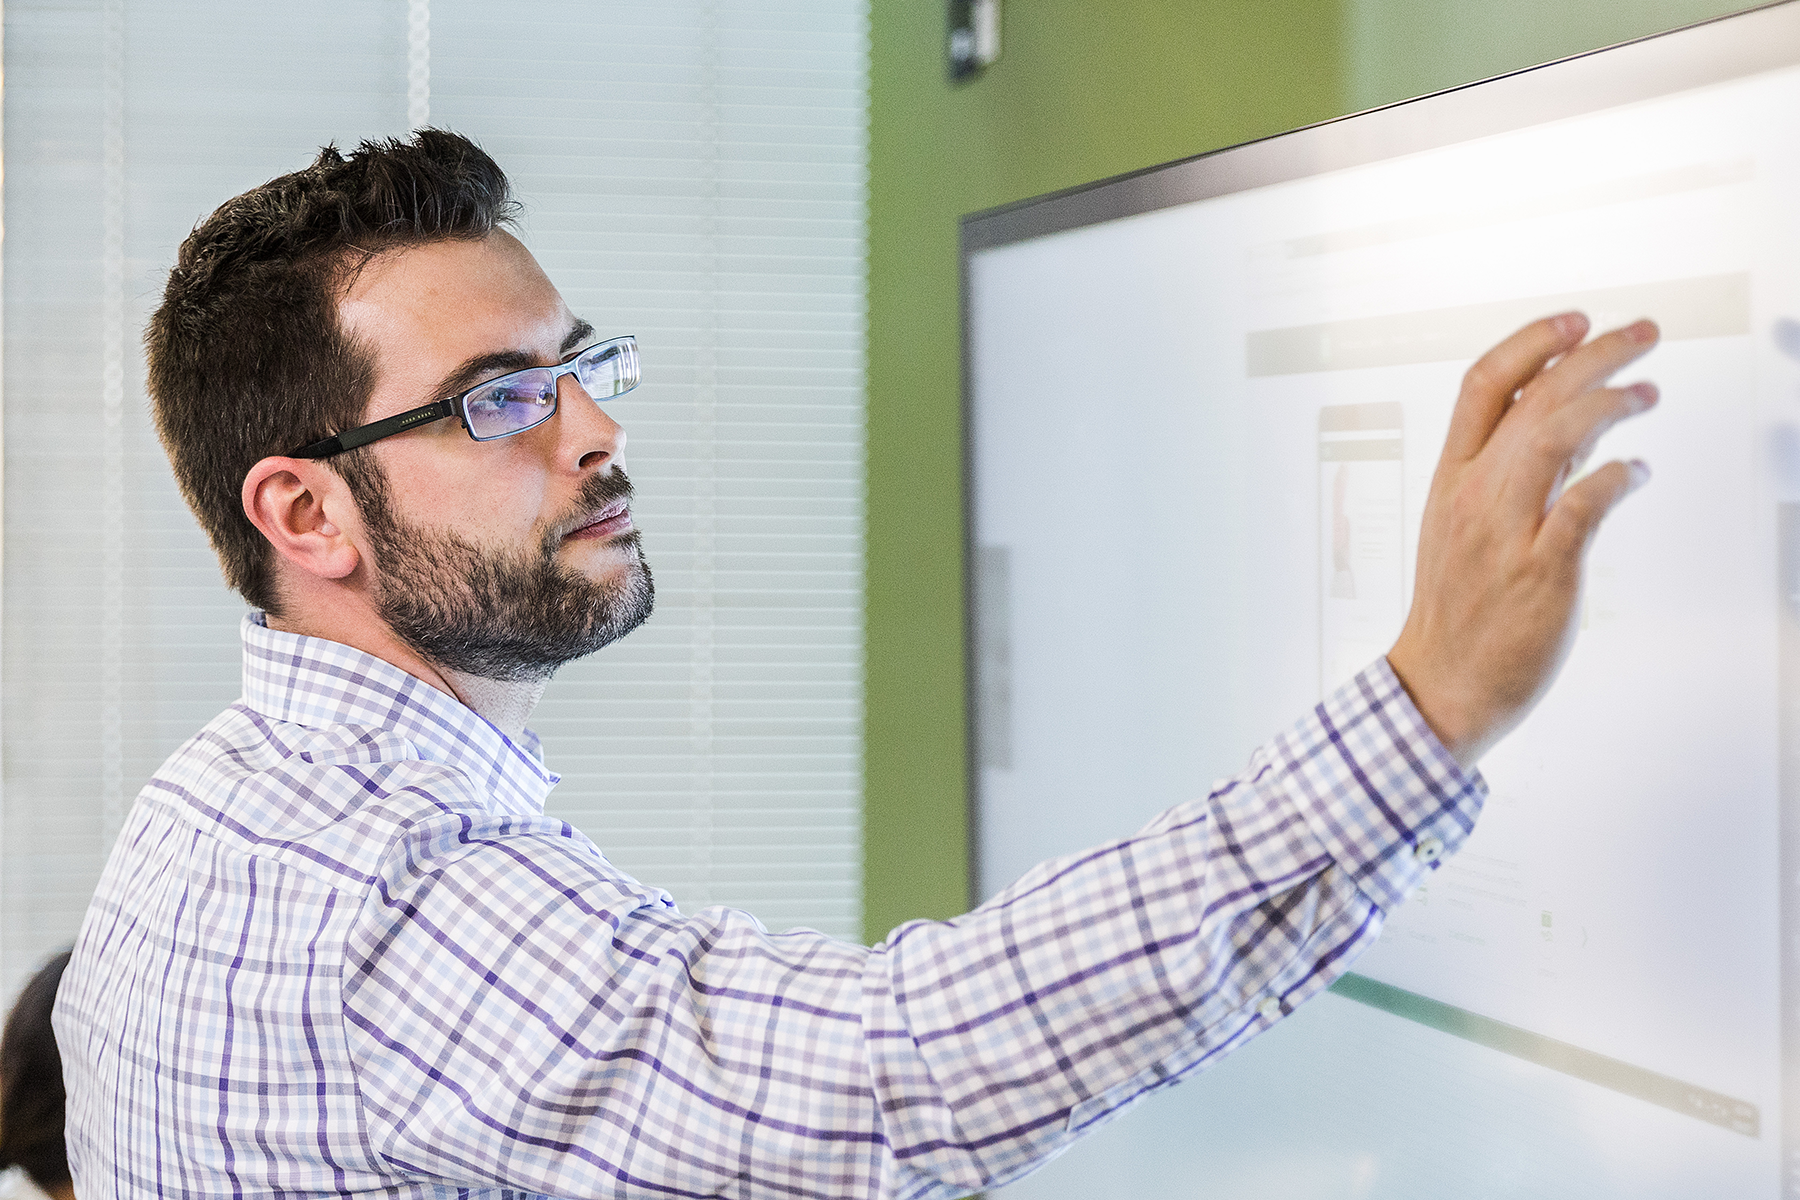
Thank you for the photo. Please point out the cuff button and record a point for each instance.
(1269, 1009)
(1429, 850)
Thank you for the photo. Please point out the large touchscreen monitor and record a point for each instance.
(1204, 405)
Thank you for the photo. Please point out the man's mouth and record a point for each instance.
(610, 521)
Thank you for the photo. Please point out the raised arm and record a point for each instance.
(523, 1015)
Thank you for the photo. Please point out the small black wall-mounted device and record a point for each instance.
(974, 40)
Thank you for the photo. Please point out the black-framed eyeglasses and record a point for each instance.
(507, 405)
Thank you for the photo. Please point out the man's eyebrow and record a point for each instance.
(578, 335)
(499, 362)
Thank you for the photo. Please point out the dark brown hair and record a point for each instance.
(31, 1084)
(246, 355)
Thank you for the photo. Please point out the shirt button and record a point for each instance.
(1429, 850)
(1269, 1009)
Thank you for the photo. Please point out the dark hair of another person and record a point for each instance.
(246, 354)
(31, 1084)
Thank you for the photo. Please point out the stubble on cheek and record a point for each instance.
(507, 614)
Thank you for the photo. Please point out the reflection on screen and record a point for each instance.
(1588, 1001)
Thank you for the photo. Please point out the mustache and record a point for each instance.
(596, 495)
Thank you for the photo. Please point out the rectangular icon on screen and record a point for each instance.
(1362, 541)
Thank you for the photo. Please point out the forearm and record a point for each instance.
(1099, 977)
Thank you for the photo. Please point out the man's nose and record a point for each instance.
(590, 437)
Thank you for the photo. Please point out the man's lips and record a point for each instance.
(610, 521)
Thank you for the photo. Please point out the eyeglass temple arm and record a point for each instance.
(362, 435)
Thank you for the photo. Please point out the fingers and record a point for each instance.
(1588, 366)
(1577, 514)
(1567, 436)
(1497, 376)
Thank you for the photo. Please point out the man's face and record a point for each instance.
(505, 558)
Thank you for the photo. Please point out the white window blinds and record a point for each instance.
(693, 174)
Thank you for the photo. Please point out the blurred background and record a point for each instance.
(767, 194)
(694, 174)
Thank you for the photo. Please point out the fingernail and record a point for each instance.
(1571, 324)
(1640, 473)
(1643, 332)
(1643, 395)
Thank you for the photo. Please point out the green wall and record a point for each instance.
(1399, 48)
(1083, 90)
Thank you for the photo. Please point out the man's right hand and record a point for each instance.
(1502, 543)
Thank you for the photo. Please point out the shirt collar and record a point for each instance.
(313, 682)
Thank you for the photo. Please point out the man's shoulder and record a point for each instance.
(332, 802)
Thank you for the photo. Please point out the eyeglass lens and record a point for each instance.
(609, 369)
(514, 403)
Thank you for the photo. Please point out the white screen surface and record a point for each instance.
(1201, 440)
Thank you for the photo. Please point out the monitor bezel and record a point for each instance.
(1759, 39)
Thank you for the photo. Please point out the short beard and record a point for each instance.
(506, 615)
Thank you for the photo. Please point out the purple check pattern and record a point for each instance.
(339, 950)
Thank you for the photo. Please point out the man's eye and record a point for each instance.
(497, 399)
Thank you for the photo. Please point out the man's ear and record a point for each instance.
(297, 504)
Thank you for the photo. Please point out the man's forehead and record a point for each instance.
(462, 296)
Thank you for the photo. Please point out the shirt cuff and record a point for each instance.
(1377, 789)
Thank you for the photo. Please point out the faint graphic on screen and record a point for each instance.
(1362, 546)
(993, 657)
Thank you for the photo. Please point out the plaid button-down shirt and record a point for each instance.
(339, 950)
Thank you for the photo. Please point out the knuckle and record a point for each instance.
(1480, 378)
(1597, 495)
(1581, 504)
(1566, 533)
(1546, 441)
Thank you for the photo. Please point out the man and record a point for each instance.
(338, 948)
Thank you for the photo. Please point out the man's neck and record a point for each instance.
(351, 622)
(507, 705)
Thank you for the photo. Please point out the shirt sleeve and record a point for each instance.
(523, 1016)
